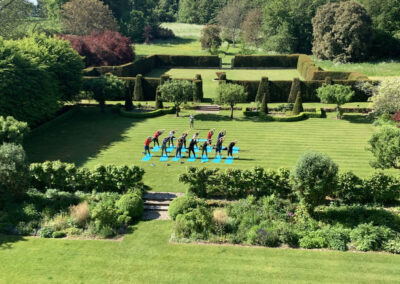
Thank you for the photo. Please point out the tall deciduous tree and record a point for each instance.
(342, 32)
(231, 94)
(13, 14)
(335, 94)
(251, 27)
(177, 92)
(82, 17)
(386, 97)
(230, 18)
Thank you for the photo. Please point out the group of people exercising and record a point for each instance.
(181, 143)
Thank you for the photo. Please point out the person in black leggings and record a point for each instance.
(218, 147)
(191, 147)
(179, 145)
(164, 146)
(230, 148)
(205, 145)
(184, 136)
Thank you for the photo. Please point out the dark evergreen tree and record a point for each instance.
(298, 105)
(294, 90)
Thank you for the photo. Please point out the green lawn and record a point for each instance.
(146, 257)
(90, 138)
(208, 76)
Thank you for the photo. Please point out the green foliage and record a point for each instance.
(67, 177)
(195, 224)
(198, 11)
(138, 92)
(342, 32)
(104, 88)
(13, 171)
(263, 88)
(210, 38)
(12, 130)
(350, 189)
(368, 237)
(294, 90)
(385, 146)
(314, 239)
(335, 94)
(131, 204)
(382, 189)
(386, 97)
(231, 94)
(177, 92)
(13, 15)
(182, 205)
(393, 246)
(298, 105)
(46, 232)
(314, 177)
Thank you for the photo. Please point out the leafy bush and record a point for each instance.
(103, 49)
(393, 246)
(12, 130)
(368, 237)
(59, 234)
(314, 177)
(335, 94)
(13, 171)
(182, 205)
(313, 239)
(210, 38)
(386, 96)
(196, 224)
(336, 237)
(131, 204)
(385, 146)
(382, 188)
(264, 234)
(46, 232)
(104, 215)
(350, 189)
(80, 213)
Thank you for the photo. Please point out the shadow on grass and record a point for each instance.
(78, 138)
(358, 118)
(215, 117)
(6, 241)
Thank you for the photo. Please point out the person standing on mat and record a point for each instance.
(147, 146)
(205, 145)
(191, 121)
(195, 135)
(210, 134)
(179, 146)
(230, 148)
(164, 146)
(156, 135)
(184, 136)
(218, 147)
(191, 147)
(171, 138)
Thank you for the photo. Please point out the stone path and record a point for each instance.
(156, 204)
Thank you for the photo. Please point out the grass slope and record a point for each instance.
(90, 138)
(146, 257)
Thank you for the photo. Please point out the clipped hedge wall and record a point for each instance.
(155, 113)
(188, 61)
(265, 61)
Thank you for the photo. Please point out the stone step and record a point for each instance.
(157, 202)
(156, 207)
(155, 215)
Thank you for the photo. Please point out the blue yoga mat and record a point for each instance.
(236, 148)
(175, 159)
(192, 159)
(156, 149)
(217, 160)
(235, 152)
(204, 159)
(209, 148)
(164, 159)
(184, 150)
(229, 160)
(146, 158)
(202, 140)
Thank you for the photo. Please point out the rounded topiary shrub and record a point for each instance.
(131, 204)
(182, 205)
(314, 177)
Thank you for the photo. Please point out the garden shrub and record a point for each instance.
(131, 204)
(138, 92)
(298, 105)
(385, 146)
(12, 130)
(104, 215)
(264, 234)
(314, 177)
(46, 232)
(13, 171)
(368, 237)
(294, 90)
(262, 61)
(80, 213)
(59, 234)
(182, 205)
(196, 224)
(336, 237)
(393, 246)
(263, 88)
(383, 189)
(313, 239)
(350, 189)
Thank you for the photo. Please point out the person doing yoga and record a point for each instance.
(171, 138)
(221, 134)
(230, 148)
(156, 135)
(218, 147)
(147, 146)
(179, 146)
(164, 146)
(191, 147)
(205, 150)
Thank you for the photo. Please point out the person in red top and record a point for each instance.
(210, 134)
(156, 135)
(147, 145)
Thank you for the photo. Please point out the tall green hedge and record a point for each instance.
(294, 90)
(138, 93)
(265, 61)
